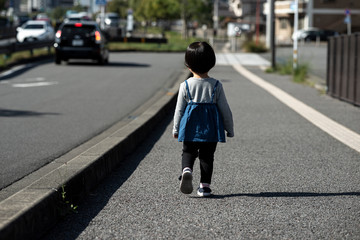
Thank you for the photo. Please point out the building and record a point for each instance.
(322, 14)
(249, 12)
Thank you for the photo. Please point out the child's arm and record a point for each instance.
(225, 111)
(179, 110)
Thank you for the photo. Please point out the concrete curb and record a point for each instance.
(34, 209)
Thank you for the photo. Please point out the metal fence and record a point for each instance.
(343, 68)
(10, 46)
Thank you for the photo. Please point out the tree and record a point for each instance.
(154, 10)
(195, 10)
(118, 6)
(58, 13)
(3, 4)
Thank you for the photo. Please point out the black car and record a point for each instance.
(80, 40)
(315, 34)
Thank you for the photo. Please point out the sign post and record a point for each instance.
(102, 4)
(347, 20)
(295, 7)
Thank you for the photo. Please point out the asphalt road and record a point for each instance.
(281, 177)
(47, 110)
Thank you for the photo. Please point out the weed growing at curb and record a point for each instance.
(65, 207)
(299, 74)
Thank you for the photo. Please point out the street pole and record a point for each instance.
(295, 49)
(216, 17)
(272, 38)
(257, 21)
(183, 19)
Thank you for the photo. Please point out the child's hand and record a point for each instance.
(230, 135)
(175, 136)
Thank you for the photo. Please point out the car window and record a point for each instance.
(34, 26)
(84, 31)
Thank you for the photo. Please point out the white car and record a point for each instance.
(35, 30)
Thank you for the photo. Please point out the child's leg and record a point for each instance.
(190, 153)
(206, 157)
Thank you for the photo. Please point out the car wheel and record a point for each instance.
(57, 60)
(101, 61)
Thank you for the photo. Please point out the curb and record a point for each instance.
(30, 212)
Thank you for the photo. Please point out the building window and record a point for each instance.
(283, 23)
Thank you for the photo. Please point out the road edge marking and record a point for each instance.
(334, 129)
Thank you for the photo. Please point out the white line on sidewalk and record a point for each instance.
(334, 129)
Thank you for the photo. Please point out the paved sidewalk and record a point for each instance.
(281, 177)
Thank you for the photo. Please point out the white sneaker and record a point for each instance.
(186, 186)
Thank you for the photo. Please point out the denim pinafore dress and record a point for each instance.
(201, 122)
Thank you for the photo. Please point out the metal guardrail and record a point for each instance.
(343, 68)
(10, 47)
(7, 32)
(138, 40)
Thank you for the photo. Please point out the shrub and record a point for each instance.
(251, 46)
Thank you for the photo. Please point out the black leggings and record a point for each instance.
(205, 151)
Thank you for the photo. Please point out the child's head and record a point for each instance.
(200, 57)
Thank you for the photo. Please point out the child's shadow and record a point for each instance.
(283, 194)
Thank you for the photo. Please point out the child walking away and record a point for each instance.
(202, 116)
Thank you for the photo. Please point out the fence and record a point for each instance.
(13, 46)
(343, 68)
(10, 47)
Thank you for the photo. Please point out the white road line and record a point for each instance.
(334, 129)
(36, 84)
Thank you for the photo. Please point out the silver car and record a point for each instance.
(35, 30)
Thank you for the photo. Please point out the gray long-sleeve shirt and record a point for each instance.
(201, 91)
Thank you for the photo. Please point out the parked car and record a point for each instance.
(77, 17)
(35, 30)
(314, 34)
(80, 40)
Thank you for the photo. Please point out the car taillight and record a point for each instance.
(58, 34)
(97, 36)
(78, 24)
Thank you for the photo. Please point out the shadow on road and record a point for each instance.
(18, 70)
(99, 197)
(22, 113)
(286, 194)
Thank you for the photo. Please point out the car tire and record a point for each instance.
(101, 61)
(57, 60)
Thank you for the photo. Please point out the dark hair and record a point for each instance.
(200, 57)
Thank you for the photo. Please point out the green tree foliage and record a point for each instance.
(118, 6)
(58, 13)
(154, 10)
(2, 4)
(198, 10)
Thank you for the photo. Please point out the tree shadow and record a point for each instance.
(22, 113)
(285, 194)
(15, 71)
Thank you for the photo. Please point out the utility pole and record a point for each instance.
(295, 47)
(272, 37)
(257, 21)
(216, 17)
(183, 19)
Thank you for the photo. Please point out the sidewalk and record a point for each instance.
(281, 177)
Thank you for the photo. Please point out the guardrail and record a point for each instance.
(7, 32)
(11, 46)
(343, 68)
